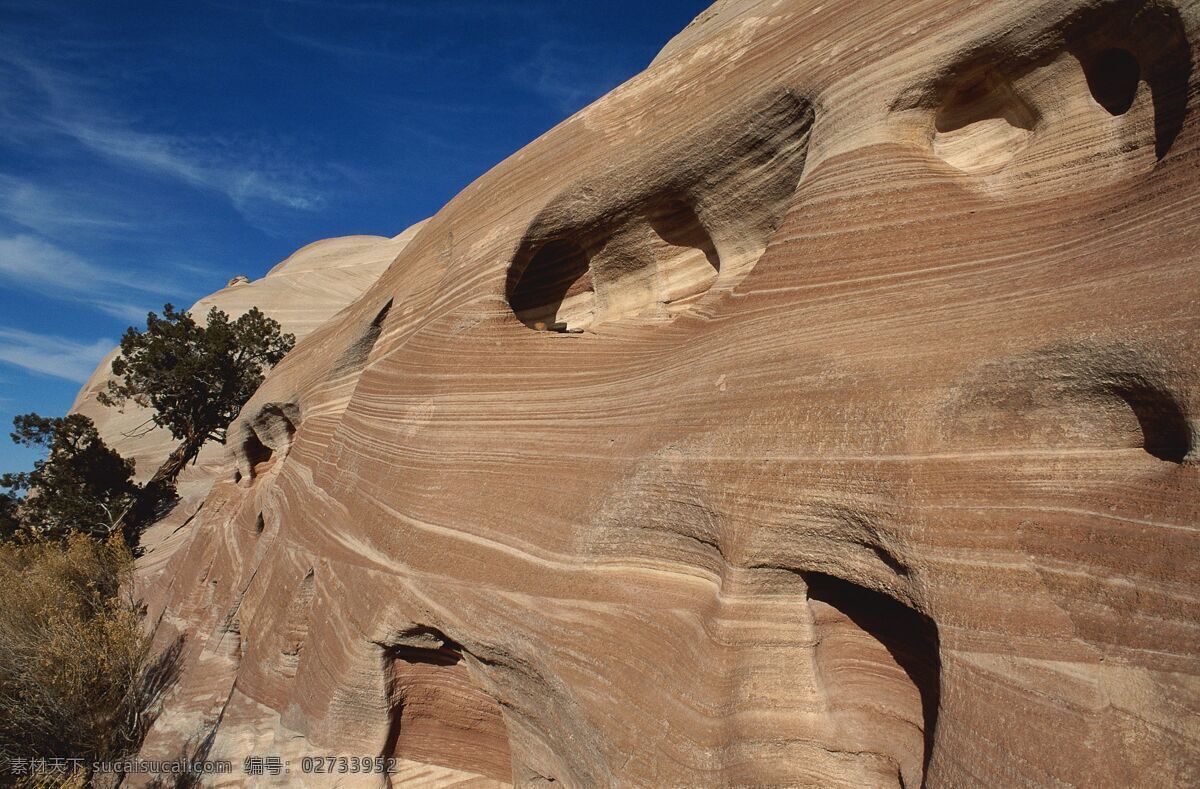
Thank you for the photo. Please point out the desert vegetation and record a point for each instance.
(81, 486)
(77, 676)
(195, 378)
(79, 680)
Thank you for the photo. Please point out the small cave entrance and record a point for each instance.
(982, 125)
(1113, 78)
(269, 433)
(553, 291)
(256, 456)
(693, 211)
(438, 714)
(1128, 42)
(1166, 433)
(659, 256)
(881, 665)
(685, 255)
(355, 357)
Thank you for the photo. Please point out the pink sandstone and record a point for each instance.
(817, 408)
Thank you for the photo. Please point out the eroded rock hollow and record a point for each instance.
(818, 408)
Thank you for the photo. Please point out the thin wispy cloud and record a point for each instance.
(59, 357)
(340, 50)
(59, 102)
(56, 211)
(567, 74)
(131, 313)
(213, 168)
(565, 80)
(29, 263)
(53, 271)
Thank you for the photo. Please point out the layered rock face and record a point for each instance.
(301, 293)
(817, 408)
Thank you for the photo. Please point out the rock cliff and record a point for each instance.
(301, 293)
(817, 408)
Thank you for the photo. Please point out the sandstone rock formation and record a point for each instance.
(301, 293)
(817, 408)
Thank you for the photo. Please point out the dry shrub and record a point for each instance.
(76, 678)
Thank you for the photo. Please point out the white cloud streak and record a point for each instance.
(54, 271)
(56, 102)
(561, 77)
(52, 211)
(39, 266)
(49, 355)
(215, 170)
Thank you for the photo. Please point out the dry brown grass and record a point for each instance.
(76, 676)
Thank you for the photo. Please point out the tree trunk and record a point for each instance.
(179, 457)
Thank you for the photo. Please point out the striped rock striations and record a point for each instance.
(817, 408)
(301, 293)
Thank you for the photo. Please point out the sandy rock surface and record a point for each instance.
(301, 293)
(817, 408)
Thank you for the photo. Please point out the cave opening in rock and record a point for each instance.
(270, 432)
(881, 665)
(686, 257)
(276, 424)
(1128, 42)
(1113, 79)
(554, 289)
(1166, 433)
(355, 356)
(982, 125)
(257, 455)
(438, 714)
(362, 348)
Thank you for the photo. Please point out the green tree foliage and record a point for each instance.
(82, 484)
(77, 679)
(195, 378)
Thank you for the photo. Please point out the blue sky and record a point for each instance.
(149, 151)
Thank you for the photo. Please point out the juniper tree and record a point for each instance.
(81, 485)
(195, 378)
